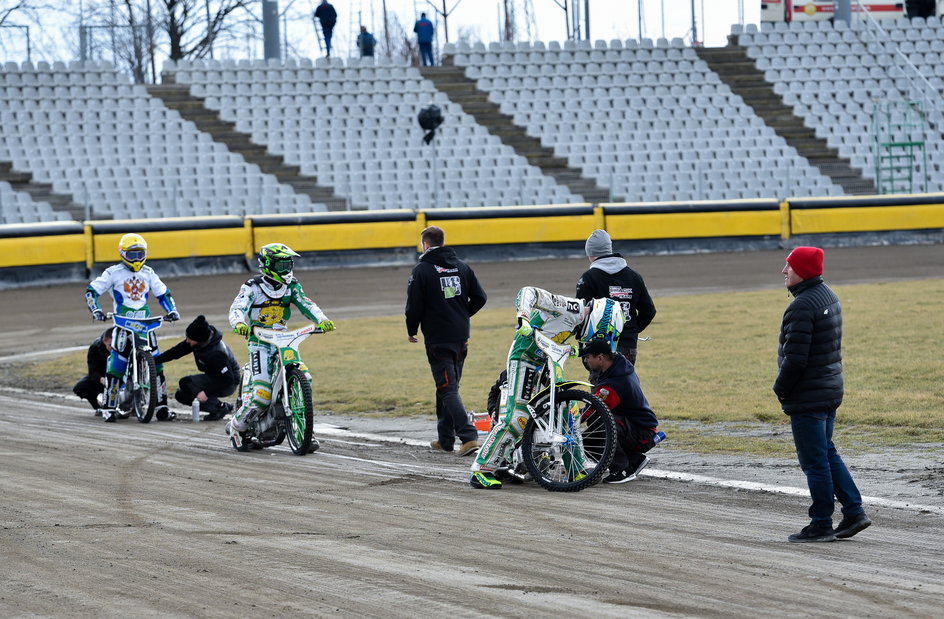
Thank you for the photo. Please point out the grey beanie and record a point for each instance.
(599, 244)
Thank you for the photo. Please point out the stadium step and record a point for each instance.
(178, 97)
(43, 192)
(451, 81)
(738, 71)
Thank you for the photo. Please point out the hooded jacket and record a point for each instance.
(609, 277)
(810, 352)
(214, 358)
(620, 390)
(441, 295)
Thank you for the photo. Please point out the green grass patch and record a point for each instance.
(712, 360)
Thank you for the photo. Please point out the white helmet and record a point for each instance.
(604, 323)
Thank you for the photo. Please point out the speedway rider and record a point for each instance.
(558, 317)
(130, 284)
(265, 301)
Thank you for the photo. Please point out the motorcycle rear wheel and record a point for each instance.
(577, 458)
(144, 393)
(299, 412)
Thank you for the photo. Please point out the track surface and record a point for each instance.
(165, 519)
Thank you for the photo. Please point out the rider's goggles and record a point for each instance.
(282, 265)
(135, 255)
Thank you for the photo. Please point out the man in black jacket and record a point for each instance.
(220, 370)
(442, 294)
(809, 386)
(328, 17)
(618, 386)
(609, 277)
(92, 384)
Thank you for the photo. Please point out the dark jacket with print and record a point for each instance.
(442, 294)
(213, 358)
(611, 278)
(810, 351)
(619, 388)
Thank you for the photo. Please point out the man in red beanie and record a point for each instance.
(810, 388)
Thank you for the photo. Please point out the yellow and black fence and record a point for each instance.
(70, 251)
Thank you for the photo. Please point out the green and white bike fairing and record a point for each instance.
(290, 413)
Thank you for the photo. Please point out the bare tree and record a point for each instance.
(192, 29)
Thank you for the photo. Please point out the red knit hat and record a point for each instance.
(807, 262)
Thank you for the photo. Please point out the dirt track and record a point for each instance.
(165, 519)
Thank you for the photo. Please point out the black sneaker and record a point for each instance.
(221, 411)
(813, 533)
(851, 525)
(618, 477)
(164, 414)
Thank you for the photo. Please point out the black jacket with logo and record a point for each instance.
(213, 358)
(441, 295)
(810, 350)
(611, 278)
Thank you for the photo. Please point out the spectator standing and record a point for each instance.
(219, 369)
(424, 36)
(442, 294)
(809, 386)
(366, 43)
(328, 18)
(92, 384)
(609, 277)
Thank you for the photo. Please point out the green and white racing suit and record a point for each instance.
(558, 317)
(262, 303)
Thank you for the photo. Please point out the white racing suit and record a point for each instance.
(262, 303)
(130, 291)
(558, 317)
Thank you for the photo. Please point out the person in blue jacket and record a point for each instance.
(424, 36)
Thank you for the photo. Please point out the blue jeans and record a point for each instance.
(426, 54)
(826, 473)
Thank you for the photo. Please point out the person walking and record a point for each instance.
(610, 277)
(424, 36)
(366, 43)
(442, 294)
(809, 386)
(328, 17)
(219, 369)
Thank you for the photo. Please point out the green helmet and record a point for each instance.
(276, 262)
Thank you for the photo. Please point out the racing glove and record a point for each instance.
(326, 325)
(98, 314)
(525, 329)
(242, 329)
(173, 316)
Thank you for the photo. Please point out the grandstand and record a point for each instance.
(782, 111)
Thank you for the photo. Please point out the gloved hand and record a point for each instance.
(242, 329)
(173, 316)
(326, 325)
(98, 314)
(525, 329)
(574, 351)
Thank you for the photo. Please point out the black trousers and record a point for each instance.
(215, 388)
(445, 362)
(631, 439)
(88, 389)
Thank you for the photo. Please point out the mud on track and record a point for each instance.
(165, 519)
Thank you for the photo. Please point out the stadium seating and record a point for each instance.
(648, 120)
(89, 132)
(18, 207)
(354, 127)
(832, 76)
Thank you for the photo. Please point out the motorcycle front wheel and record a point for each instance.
(576, 454)
(299, 412)
(144, 392)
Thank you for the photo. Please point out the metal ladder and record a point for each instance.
(898, 147)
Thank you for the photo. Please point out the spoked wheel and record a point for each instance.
(299, 412)
(576, 454)
(144, 392)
